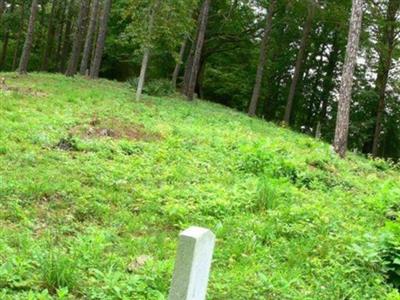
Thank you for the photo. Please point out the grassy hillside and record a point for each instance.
(90, 180)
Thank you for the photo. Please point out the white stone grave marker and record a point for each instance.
(192, 265)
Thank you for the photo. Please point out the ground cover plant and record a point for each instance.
(95, 187)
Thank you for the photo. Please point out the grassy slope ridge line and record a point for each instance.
(94, 188)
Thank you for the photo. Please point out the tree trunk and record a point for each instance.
(78, 39)
(199, 82)
(60, 29)
(89, 38)
(19, 36)
(261, 61)
(2, 7)
(67, 36)
(198, 49)
(95, 68)
(188, 70)
(343, 114)
(327, 86)
(6, 39)
(26, 52)
(299, 62)
(142, 76)
(385, 64)
(50, 37)
(146, 55)
(4, 50)
(175, 74)
(95, 36)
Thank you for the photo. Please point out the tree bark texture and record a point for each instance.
(199, 43)
(78, 39)
(262, 59)
(343, 114)
(89, 38)
(95, 67)
(26, 52)
(299, 62)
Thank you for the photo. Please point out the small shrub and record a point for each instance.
(67, 144)
(255, 160)
(156, 87)
(3, 150)
(58, 271)
(159, 87)
(267, 195)
(391, 253)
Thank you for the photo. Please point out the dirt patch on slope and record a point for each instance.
(4, 87)
(114, 129)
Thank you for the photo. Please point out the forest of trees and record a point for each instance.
(327, 68)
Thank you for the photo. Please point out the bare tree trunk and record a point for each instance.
(67, 36)
(19, 36)
(89, 38)
(175, 74)
(4, 50)
(78, 39)
(343, 114)
(261, 61)
(198, 49)
(5, 41)
(385, 64)
(60, 29)
(50, 37)
(199, 83)
(327, 86)
(2, 7)
(146, 55)
(26, 52)
(95, 68)
(142, 76)
(299, 62)
(188, 70)
(95, 36)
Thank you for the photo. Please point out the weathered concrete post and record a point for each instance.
(192, 265)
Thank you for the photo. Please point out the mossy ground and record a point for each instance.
(91, 179)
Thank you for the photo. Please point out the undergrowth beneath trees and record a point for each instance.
(90, 180)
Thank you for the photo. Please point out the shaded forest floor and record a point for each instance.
(95, 187)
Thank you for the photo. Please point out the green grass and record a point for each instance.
(91, 179)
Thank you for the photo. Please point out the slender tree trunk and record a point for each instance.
(95, 68)
(6, 40)
(299, 62)
(198, 49)
(19, 36)
(67, 36)
(50, 37)
(2, 7)
(327, 86)
(188, 70)
(95, 37)
(312, 101)
(262, 59)
(60, 29)
(175, 74)
(4, 50)
(89, 38)
(146, 55)
(26, 52)
(200, 77)
(142, 76)
(343, 114)
(385, 63)
(189, 60)
(78, 39)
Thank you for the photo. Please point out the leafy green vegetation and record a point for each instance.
(90, 180)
